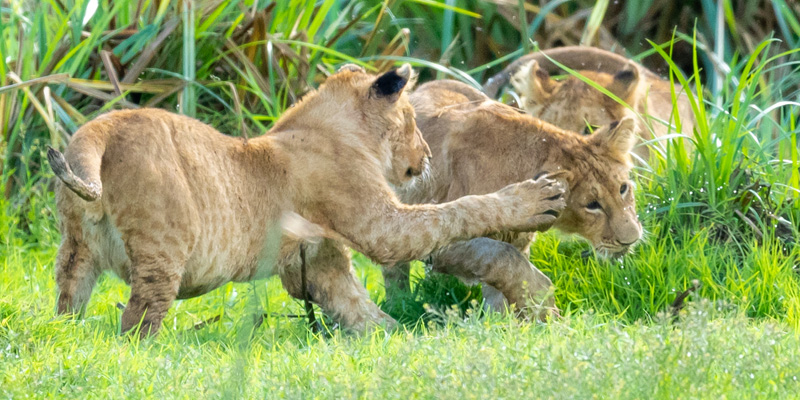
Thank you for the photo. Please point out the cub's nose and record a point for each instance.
(411, 171)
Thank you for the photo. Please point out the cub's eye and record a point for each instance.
(593, 206)
(623, 189)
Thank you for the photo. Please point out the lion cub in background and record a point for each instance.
(574, 105)
(177, 209)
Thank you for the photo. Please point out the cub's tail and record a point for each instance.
(86, 183)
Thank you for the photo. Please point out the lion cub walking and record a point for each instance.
(177, 209)
(480, 145)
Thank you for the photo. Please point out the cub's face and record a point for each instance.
(601, 205)
(410, 153)
(387, 112)
(572, 104)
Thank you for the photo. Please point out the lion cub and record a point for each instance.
(177, 209)
(574, 105)
(480, 145)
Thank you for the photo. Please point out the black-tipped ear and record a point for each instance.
(391, 84)
(625, 83)
(619, 137)
(542, 76)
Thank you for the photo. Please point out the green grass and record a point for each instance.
(713, 350)
(725, 215)
(738, 336)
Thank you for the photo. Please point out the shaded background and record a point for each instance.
(238, 64)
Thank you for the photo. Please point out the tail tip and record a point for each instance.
(57, 161)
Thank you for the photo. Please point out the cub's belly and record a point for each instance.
(208, 271)
(211, 264)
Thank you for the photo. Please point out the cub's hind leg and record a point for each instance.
(331, 283)
(504, 268)
(494, 299)
(159, 235)
(76, 274)
(156, 273)
(75, 270)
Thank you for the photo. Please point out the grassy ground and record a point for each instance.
(616, 341)
(725, 215)
(711, 351)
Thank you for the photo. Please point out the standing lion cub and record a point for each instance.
(177, 209)
(480, 145)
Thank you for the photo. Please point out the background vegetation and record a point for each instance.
(726, 216)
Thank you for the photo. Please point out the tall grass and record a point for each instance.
(741, 179)
(63, 65)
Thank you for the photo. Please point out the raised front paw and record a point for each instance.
(540, 202)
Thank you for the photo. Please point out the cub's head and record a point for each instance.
(572, 104)
(601, 205)
(386, 115)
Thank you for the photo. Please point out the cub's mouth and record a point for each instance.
(607, 252)
(408, 180)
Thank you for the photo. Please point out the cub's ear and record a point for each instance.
(351, 68)
(619, 137)
(533, 82)
(391, 84)
(625, 83)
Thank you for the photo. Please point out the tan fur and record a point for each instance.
(177, 209)
(480, 145)
(574, 105)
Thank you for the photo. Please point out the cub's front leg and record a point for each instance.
(332, 284)
(392, 232)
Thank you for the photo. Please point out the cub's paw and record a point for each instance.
(541, 202)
